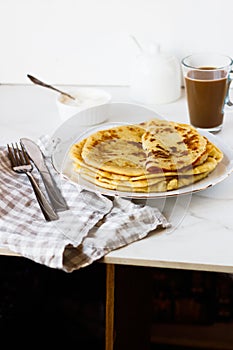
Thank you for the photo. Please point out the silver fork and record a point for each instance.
(21, 164)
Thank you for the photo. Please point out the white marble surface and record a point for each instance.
(201, 236)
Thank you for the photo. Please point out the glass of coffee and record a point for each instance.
(207, 81)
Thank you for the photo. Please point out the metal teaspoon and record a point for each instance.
(39, 82)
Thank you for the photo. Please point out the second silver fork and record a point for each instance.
(21, 163)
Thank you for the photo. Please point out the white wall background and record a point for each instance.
(87, 42)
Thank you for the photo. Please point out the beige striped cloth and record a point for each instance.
(93, 226)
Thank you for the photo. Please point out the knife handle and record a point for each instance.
(46, 208)
(55, 196)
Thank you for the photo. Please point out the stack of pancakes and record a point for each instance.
(153, 156)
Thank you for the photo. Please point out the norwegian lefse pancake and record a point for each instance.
(153, 156)
(171, 146)
(117, 150)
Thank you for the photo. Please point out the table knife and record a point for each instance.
(37, 157)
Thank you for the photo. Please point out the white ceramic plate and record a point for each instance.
(67, 134)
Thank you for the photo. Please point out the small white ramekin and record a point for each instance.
(87, 97)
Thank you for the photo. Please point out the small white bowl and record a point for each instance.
(86, 98)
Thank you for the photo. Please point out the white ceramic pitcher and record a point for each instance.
(155, 77)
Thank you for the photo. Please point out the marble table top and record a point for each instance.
(201, 235)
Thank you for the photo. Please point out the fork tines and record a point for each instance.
(18, 156)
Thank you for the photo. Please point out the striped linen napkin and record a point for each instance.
(93, 226)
